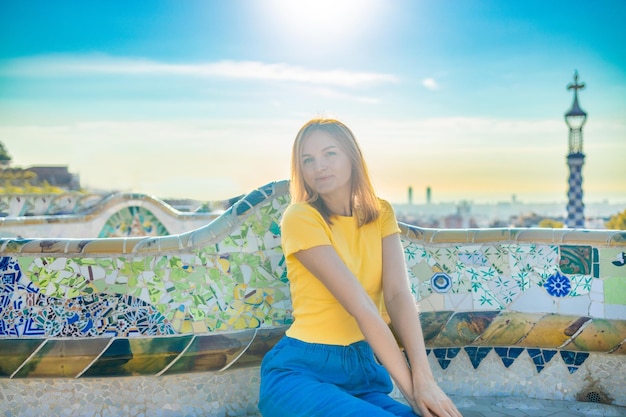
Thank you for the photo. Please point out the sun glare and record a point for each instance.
(320, 23)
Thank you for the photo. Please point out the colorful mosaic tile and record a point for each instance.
(508, 354)
(53, 204)
(445, 356)
(218, 297)
(558, 285)
(575, 259)
(133, 221)
(573, 360)
(477, 354)
(541, 357)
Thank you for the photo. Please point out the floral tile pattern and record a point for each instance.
(558, 285)
(219, 296)
(133, 221)
(575, 259)
(53, 204)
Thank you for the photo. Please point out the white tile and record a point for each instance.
(534, 300)
(597, 285)
(615, 311)
(458, 302)
(596, 310)
(579, 305)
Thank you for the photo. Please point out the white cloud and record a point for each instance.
(334, 94)
(473, 158)
(62, 65)
(430, 83)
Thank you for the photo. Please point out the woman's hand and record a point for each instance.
(424, 396)
(430, 401)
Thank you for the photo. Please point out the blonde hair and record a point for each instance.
(364, 202)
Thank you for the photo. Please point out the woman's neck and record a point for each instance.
(338, 207)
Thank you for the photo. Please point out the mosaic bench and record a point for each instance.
(528, 312)
(79, 215)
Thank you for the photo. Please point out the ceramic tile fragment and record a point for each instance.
(225, 288)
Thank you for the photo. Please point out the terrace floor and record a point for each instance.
(529, 407)
(523, 407)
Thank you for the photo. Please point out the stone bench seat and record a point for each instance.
(186, 318)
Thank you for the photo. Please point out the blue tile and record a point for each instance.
(573, 360)
(508, 355)
(477, 354)
(440, 353)
(541, 357)
(445, 355)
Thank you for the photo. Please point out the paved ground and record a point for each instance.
(523, 407)
(528, 407)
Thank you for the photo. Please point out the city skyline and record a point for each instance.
(202, 99)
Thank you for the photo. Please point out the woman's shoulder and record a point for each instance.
(299, 210)
(299, 217)
(300, 207)
(387, 215)
(385, 206)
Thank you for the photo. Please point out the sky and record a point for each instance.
(203, 99)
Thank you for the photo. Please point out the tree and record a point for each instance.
(5, 158)
(550, 223)
(617, 222)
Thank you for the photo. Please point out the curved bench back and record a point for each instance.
(217, 297)
(88, 216)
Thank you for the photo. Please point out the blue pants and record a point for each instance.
(302, 379)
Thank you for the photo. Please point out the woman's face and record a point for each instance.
(326, 168)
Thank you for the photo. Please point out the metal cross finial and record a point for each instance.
(576, 86)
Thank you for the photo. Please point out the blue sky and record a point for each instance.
(202, 99)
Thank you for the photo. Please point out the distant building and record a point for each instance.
(461, 220)
(58, 176)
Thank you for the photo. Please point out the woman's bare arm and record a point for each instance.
(428, 397)
(327, 266)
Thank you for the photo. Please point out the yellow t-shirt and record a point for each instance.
(318, 316)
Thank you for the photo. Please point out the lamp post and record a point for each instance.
(575, 119)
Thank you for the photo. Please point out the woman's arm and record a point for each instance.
(402, 309)
(327, 266)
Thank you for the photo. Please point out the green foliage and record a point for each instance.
(551, 224)
(4, 155)
(22, 181)
(617, 222)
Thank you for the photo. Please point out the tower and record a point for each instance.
(575, 119)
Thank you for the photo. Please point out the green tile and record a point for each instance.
(63, 358)
(211, 352)
(615, 290)
(13, 353)
(138, 356)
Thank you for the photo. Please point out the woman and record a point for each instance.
(345, 263)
